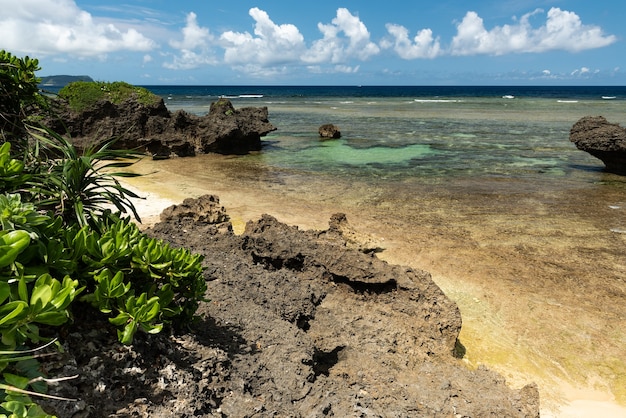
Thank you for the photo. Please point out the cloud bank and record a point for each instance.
(46, 27)
(563, 30)
(346, 38)
(61, 28)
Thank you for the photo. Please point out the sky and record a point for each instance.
(322, 42)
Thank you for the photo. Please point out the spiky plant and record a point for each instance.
(82, 187)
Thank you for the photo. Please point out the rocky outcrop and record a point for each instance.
(155, 130)
(324, 329)
(295, 324)
(603, 140)
(329, 131)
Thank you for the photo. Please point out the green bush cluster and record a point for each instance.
(82, 94)
(18, 93)
(139, 281)
(64, 241)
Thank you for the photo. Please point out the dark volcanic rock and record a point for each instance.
(205, 209)
(315, 328)
(157, 131)
(297, 325)
(329, 131)
(603, 140)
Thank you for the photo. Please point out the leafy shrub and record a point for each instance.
(61, 243)
(46, 262)
(83, 94)
(144, 281)
(19, 94)
(11, 170)
(111, 256)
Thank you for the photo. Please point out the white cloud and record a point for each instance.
(62, 27)
(194, 36)
(339, 68)
(346, 69)
(333, 48)
(584, 72)
(194, 50)
(187, 60)
(563, 30)
(259, 71)
(63, 31)
(423, 44)
(271, 44)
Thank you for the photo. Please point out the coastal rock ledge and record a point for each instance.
(296, 324)
(605, 141)
(153, 129)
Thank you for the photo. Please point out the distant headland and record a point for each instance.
(62, 80)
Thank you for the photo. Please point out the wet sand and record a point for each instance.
(540, 279)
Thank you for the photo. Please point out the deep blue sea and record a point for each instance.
(273, 92)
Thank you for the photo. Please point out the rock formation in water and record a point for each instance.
(603, 140)
(155, 130)
(329, 131)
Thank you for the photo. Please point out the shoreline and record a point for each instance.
(485, 317)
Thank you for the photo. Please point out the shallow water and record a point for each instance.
(522, 230)
(433, 139)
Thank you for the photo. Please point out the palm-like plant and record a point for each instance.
(82, 187)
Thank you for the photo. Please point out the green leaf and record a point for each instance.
(12, 243)
(19, 382)
(41, 295)
(152, 329)
(22, 289)
(109, 288)
(52, 318)
(5, 291)
(18, 408)
(35, 411)
(121, 319)
(64, 296)
(12, 310)
(151, 309)
(130, 304)
(126, 336)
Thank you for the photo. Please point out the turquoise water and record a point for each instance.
(427, 134)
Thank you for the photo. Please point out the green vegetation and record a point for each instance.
(83, 94)
(18, 93)
(64, 243)
(80, 187)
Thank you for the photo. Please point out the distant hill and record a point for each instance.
(62, 80)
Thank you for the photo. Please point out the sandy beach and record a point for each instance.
(533, 307)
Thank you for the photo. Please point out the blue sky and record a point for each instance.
(323, 42)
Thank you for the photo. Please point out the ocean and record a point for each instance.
(427, 134)
(478, 185)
